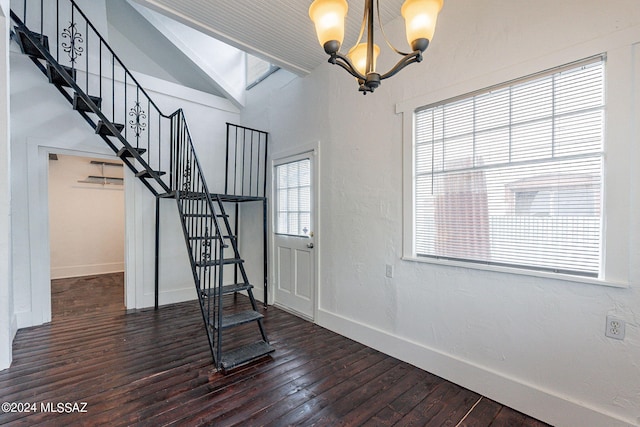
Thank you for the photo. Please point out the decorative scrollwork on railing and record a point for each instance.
(186, 185)
(72, 48)
(206, 246)
(137, 125)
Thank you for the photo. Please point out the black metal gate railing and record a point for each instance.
(246, 167)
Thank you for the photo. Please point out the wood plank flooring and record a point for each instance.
(87, 295)
(154, 368)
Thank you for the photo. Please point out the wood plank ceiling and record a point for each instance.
(279, 31)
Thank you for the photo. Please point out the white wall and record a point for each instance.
(86, 221)
(222, 63)
(534, 343)
(7, 316)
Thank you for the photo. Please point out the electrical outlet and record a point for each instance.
(615, 328)
(389, 271)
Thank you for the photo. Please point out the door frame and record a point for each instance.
(38, 151)
(313, 150)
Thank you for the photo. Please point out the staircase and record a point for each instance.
(157, 148)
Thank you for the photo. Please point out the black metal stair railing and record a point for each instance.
(92, 77)
(201, 228)
(208, 234)
(89, 74)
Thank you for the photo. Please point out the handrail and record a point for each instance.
(199, 222)
(83, 60)
(115, 56)
(198, 168)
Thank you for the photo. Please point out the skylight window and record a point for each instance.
(258, 70)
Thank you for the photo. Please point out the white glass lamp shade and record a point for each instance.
(358, 57)
(420, 18)
(328, 17)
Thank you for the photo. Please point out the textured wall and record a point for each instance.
(7, 317)
(86, 221)
(534, 343)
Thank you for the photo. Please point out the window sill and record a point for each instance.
(521, 272)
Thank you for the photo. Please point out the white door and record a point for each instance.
(294, 258)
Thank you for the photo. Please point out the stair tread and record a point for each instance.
(147, 173)
(239, 318)
(80, 104)
(169, 195)
(193, 195)
(213, 262)
(56, 78)
(205, 215)
(102, 129)
(244, 354)
(236, 287)
(29, 48)
(126, 152)
(228, 289)
(210, 237)
(206, 237)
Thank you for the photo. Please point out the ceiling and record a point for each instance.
(158, 56)
(279, 31)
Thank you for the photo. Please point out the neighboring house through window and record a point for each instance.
(512, 175)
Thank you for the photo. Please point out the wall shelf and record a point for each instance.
(103, 179)
(96, 162)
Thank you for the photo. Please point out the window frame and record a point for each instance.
(618, 138)
(276, 202)
(440, 167)
(250, 84)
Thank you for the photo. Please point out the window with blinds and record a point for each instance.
(512, 176)
(293, 198)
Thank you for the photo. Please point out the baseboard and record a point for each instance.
(6, 358)
(294, 312)
(86, 270)
(545, 405)
(14, 326)
(168, 297)
(24, 320)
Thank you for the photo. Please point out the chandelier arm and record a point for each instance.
(415, 56)
(364, 23)
(343, 61)
(385, 35)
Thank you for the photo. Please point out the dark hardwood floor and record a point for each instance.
(154, 368)
(87, 295)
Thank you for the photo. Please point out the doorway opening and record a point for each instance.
(86, 235)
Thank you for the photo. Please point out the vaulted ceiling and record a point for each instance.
(157, 56)
(279, 31)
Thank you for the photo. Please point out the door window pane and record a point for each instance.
(293, 198)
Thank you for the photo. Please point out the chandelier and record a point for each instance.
(328, 16)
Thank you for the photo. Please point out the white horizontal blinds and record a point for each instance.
(293, 198)
(512, 176)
